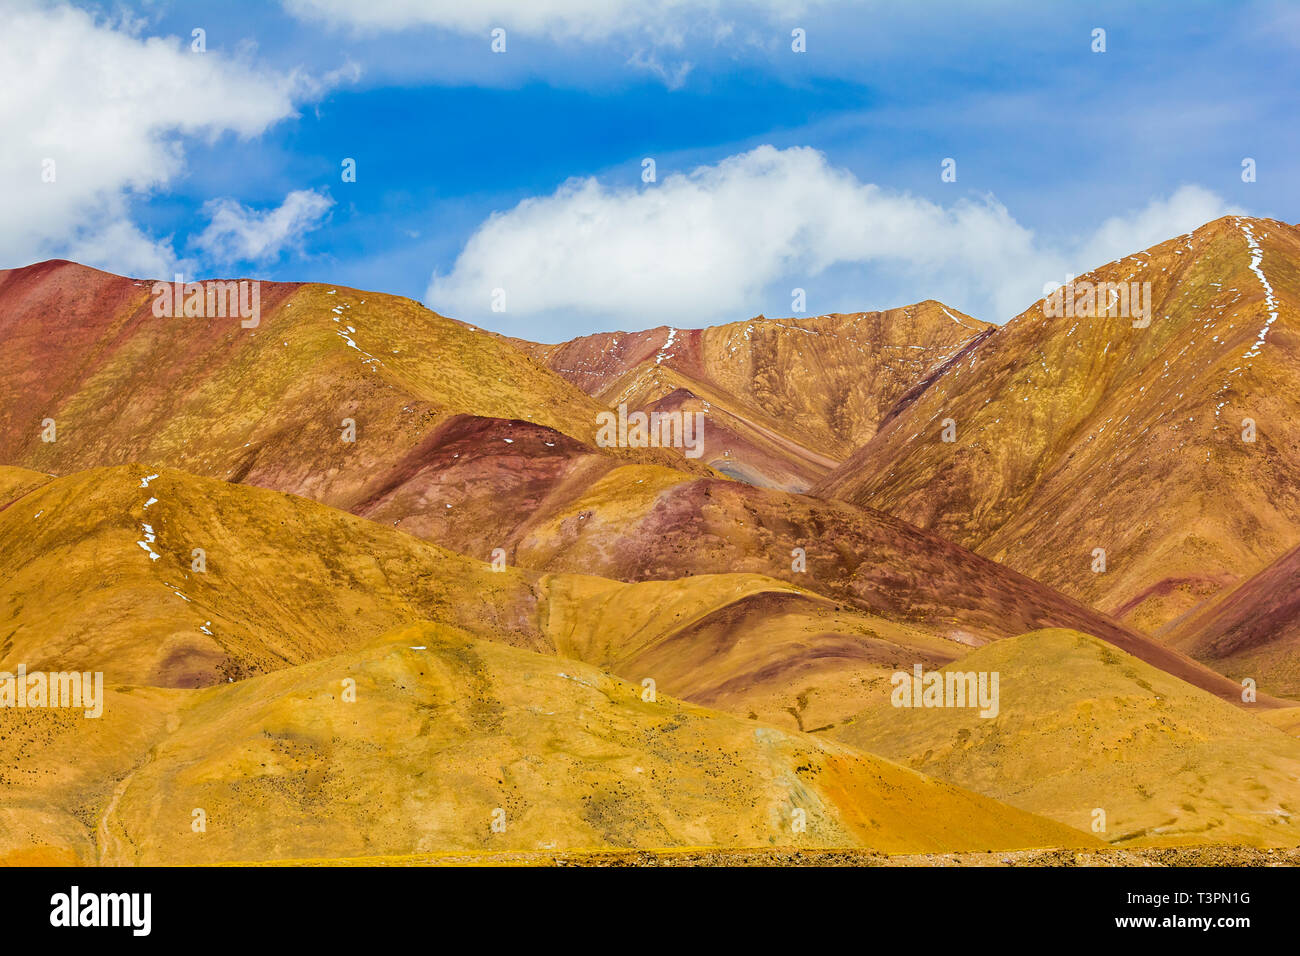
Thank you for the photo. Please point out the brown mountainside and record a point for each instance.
(526, 480)
(266, 405)
(1079, 433)
(786, 399)
(1251, 631)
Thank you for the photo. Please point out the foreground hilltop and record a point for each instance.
(471, 734)
(1084, 727)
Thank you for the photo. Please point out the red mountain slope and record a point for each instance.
(786, 399)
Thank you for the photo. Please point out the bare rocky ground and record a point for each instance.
(1225, 856)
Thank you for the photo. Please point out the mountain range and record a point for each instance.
(625, 646)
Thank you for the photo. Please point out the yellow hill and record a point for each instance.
(16, 482)
(444, 731)
(742, 643)
(288, 580)
(1082, 725)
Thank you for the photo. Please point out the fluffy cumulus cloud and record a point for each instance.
(95, 115)
(236, 233)
(723, 241)
(1161, 219)
(666, 20)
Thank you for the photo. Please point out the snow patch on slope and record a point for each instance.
(1270, 300)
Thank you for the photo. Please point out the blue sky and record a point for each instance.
(1063, 154)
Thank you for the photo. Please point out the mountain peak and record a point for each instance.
(1058, 422)
(787, 398)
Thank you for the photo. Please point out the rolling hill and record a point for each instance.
(1083, 726)
(268, 405)
(558, 754)
(98, 572)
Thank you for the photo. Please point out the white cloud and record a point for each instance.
(673, 75)
(704, 246)
(640, 33)
(106, 239)
(237, 233)
(666, 20)
(112, 110)
(1161, 219)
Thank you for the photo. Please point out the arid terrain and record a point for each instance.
(1074, 434)
(364, 585)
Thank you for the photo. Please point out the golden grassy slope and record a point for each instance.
(1083, 725)
(289, 580)
(444, 731)
(16, 482)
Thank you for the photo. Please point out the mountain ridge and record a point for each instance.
(1055, 415)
